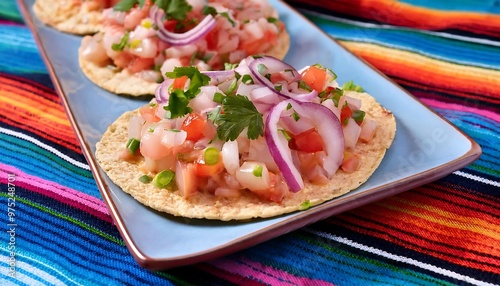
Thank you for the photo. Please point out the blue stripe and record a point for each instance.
(36, 161)
(108, 262)
(445, 49)
(16, 42)
(480, 6)
(331, 261)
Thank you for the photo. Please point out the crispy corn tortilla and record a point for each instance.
(67, 16)
(123, 83)
(203, 205)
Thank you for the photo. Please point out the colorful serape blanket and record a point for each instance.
(446, 53)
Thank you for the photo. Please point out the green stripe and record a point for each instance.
(20, 146)
(67, 218)
(313, 240)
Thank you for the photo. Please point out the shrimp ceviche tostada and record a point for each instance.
(81, 17)
(141, 41)
(257, 140)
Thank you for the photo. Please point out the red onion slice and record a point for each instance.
(162, 93)
(217, 77)
(180, 39)
(328, 127)
(279, 149)
(274, 65)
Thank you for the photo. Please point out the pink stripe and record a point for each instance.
(68, 196)
(267, 274)
(457, 107)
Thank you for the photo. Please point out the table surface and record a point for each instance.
(57, 230)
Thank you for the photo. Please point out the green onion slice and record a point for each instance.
(163, 178)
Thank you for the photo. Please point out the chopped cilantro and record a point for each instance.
(261, 68)
(226, 15)
(285, 134)
(334, 94)
(122, 44)
(272, 20)
(231, 90)
(179, 99)
(174, 9)
(304, 86)
(218, 97)
(247, 79)
(257, 170)
(126, 5)
(230, 66)
(209, 10)
(145, 179)
(239, 113)
(358, 116)
(351, 86)
(305, 205)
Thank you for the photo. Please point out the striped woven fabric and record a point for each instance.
(445, 233)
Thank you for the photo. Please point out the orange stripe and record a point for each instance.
(445, 220)
(44, 112)
(409, 232)
(32, 108)
(418, 68)
(418, 222)
(402, 14)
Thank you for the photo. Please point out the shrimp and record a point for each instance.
(135, 16)
(93, 49)
(113, 35)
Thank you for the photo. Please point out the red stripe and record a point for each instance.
(422, 234)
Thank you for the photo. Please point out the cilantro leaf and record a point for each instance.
(174, 9)
(178, 104)
(179, 99)
(350, 85)
(239, 113)
(197, 78)
(125, 5)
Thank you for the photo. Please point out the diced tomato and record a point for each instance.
(186, 179)
(211, 38)
(259, 45)
(138, 64)
(170, 25)
(205, 170)
(277, 77)
(345, 113)
(180, 82)
(276, 192)
(351, 162)
(148, 112)
(307, 141)
(315, 77)
(195, 126)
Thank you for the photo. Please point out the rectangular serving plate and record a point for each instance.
(426, 147)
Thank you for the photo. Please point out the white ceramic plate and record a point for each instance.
(426, 148)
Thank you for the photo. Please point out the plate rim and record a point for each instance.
(279, 228)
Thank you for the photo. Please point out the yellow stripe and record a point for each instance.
(452, 220)
(10, 99)
(420, 62)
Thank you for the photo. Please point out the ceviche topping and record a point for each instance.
(260, 126)
(148, 38)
